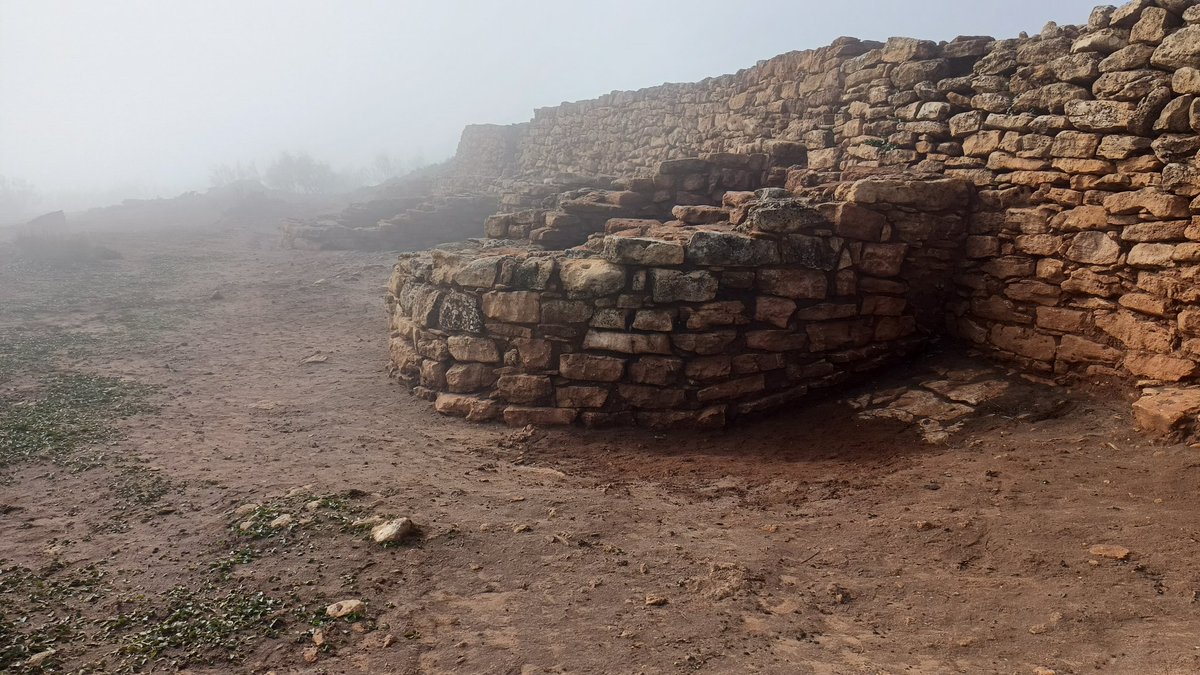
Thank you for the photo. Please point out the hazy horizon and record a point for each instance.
(144, 97)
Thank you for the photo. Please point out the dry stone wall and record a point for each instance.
(1077, 253)
(731, 311)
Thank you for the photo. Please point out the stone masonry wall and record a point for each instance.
(743, 309)
(1082, 241)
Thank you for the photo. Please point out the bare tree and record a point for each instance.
(299, 172)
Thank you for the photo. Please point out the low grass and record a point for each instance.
(71, 411)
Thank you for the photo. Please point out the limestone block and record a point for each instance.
(1151, 200)
(651, 398)
(731, 249)
(1136, 333)
(1094, 248)
(1060, 319)
(534, 354)
(642, 251)
(580, 397)
(653, 319)
(591, 277)
(1181, 49)
(776, 340)
(474, 408)
(1025, 342)
(1167, 411)
(830, 335)
(627, 343)
(713, 342)
(882, 260)
(1151, 255)
(732, 389)
(659, 370)
(460, 312)
(1159, 366)
(464, 378)
(521, 388)
(708, 368)
(700, 215)
(523, 416)
(576, 366)
(793, 283)
(1101, 116)
(513, 307)
(471, 348)
(1074, 349)
(667, 285)
(784, 215)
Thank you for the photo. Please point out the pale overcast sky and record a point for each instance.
(100, 93)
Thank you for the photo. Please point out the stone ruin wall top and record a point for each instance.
(1083, 242)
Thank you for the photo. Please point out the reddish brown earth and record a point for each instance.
(809, 542)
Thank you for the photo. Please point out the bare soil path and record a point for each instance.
(815, 541)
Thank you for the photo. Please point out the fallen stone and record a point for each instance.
(393, 530)
(1111, 551)
(345, 608)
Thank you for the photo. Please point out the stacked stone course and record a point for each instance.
(1073, 250)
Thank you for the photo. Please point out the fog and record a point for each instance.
(119, 98)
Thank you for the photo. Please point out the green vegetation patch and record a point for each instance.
(40, 610)
(71, 411)
(203, 624)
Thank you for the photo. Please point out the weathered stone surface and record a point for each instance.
(1181, 49)
(1023, 341)
(471, 348)
(668, 285)
(520, 388)
(730, 249)
(1167, 411)
(784, 215)
(460, 311)
(522, 416)
(1094, 248)
(474, 408)
(797, 284)
(1159, 366)
(464, 378)
(628, 343)
(591, 277)
(514, 306)
(1151, 200)
(642, 251)
(1101, 116)
(591, 367)
(1136, 333)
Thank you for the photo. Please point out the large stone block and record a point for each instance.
(460, 312)
(1023, 341)
(730, 249)
(576, 366)
(784, 215)
(1179, 50)
(591, 277)
(472, 348)
(464, 378)
(521, 388)
(668, 285)
(1094, 248)
(627, 343)
(513, 306)
(882, 260)
(643, 251)
(799, 284)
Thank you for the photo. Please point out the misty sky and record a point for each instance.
(102, 93)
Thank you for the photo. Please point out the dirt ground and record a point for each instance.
(820, 540)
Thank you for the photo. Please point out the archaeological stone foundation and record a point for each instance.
(689, 254)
